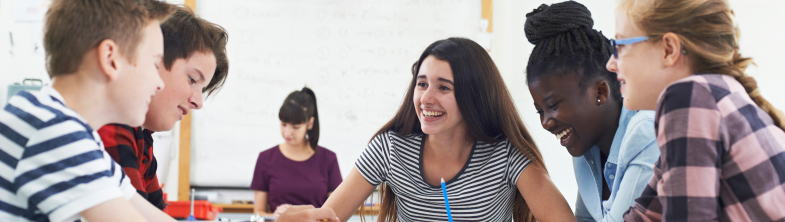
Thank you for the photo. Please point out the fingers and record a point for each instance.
(322, 213)
(300, 207)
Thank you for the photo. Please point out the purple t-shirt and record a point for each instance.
(298, 183)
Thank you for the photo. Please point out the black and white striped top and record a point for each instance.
(484, 190)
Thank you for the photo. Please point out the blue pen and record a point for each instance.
(446, 202)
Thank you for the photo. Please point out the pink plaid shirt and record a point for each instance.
(722, 158)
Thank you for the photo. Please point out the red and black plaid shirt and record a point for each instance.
(132, 148)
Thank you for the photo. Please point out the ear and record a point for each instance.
(108, 59)
(673, 49)
(310, 124)
(603, 92)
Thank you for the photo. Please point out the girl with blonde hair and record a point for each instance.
(722, 143)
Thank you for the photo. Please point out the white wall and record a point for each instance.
(23, 59)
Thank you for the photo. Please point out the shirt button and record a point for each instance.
(611, 176)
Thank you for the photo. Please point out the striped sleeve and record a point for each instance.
(63, 171)
(374, 164)
(516, 163)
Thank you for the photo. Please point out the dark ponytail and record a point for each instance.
(298, 108)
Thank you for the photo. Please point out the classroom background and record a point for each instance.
(356, 55)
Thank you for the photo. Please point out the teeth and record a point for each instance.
(432, 113)
(562, 134)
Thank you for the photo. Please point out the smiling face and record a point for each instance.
(137, 82)
(568, 112)
(434, 98)
(638, 67)
(183, 92)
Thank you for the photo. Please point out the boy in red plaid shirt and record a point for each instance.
(194, 63)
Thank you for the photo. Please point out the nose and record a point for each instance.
(196, 100)
(428, 96)
(611, 65)
(547, 122)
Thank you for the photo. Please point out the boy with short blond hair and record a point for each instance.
(102, 56)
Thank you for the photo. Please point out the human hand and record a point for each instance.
(280, 209)
(307, 213)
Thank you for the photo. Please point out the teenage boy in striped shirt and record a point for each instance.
(102, 56)
(194, 63)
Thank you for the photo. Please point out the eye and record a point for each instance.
(539, 112)
(553, 106)
(422, 84)
(444, 88)
(191, 80)
(156, 66)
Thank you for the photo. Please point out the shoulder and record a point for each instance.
(391, 139)
(324, 151)
(111, 132)
(699, 91)
(269, 151)
(503, 144)
(37, 110)
(38, 114)
(641, 123)
(639, 135)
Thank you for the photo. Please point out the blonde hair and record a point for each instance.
(708, 34)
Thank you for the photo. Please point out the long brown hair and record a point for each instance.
(708, 34)
(485, 103)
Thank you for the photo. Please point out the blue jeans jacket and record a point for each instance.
(632, 156)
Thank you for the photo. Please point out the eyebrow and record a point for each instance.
(440, 79)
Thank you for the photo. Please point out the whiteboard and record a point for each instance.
(355, 54)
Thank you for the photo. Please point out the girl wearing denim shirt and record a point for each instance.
(579, 101)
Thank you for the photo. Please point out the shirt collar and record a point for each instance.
(624, 120)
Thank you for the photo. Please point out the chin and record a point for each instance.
(574, 153)
(160, 127)
(428, 130)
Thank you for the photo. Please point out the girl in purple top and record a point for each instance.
(298, 171)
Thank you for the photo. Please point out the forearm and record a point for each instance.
(260, 203)
(349, 196)
(148, 211)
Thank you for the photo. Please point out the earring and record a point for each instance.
(598, 100)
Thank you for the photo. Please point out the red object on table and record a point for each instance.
(203, 210)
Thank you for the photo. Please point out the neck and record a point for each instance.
(611, 120)
(87, 96)
(449, 145)
(298, 147)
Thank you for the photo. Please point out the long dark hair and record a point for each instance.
(298, 108)
(484, 101)
(566, 44)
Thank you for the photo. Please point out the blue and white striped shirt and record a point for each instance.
(52, 164)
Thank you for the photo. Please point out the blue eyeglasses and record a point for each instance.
(627, 41)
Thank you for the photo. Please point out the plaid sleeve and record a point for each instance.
(121, 143)
(685, 185)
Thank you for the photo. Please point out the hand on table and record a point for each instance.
(280, 209)
(306, 213)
